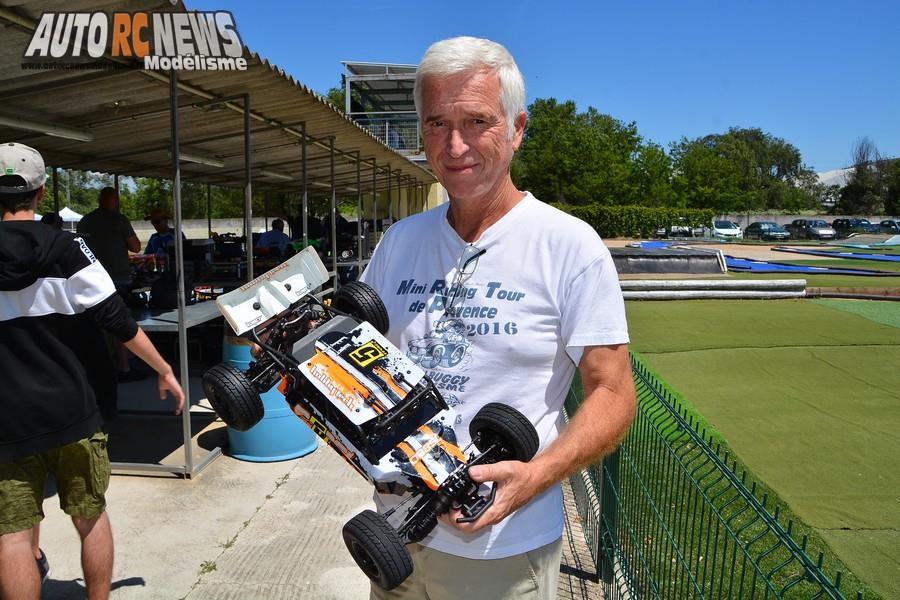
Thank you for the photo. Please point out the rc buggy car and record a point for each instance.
(367, 400)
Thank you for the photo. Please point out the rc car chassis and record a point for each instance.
(367, 400)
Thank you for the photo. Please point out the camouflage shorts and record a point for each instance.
(81, 470)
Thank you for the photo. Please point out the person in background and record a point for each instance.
(276, 240)
(51, 424)
(53, 220)
(110, 236)
(550, 287)
(95, 356)
(164, 236)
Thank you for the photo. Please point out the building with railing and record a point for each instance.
(379, 96)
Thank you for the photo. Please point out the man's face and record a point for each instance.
(465, 133)
(160, 224)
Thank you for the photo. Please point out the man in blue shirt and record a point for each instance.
(276, 240)
(164, 236)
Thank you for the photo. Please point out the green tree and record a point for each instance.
(77, 189)
(742, 169)
(654, 176)
(867, 190)
(577, 158)
(892, 188)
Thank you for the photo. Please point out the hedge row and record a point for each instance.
(638, 221)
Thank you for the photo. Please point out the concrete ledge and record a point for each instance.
(689, 289)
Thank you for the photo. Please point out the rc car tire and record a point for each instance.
(502, 424)
(233, 397)
(361, 301)
(377, 549)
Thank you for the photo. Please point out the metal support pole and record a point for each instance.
(347, 96)
(399, 198)
(359, 214)
(334, 257)
(116, 183)
(248, 192)
(374, 202)
(303, 186)
(56, 190)
(390, 196)
(209, 209)
(266, 210)
(179, 275)
(410, 203)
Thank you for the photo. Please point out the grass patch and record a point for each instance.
(806, 396)
(886, 312)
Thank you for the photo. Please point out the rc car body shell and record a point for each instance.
(365, 377)
(368, 400)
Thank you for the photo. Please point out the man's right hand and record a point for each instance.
(167, 383)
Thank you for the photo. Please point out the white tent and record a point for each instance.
(69, 216)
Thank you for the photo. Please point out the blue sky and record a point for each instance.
(818, 74)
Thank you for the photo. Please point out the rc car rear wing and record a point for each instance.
(273, 292)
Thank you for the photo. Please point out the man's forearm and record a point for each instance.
(143, 348)
(593, 432)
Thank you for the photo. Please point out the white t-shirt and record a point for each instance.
(545, 288)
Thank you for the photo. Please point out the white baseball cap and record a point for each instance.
(24, 161)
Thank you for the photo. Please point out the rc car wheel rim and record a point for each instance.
(365, 561)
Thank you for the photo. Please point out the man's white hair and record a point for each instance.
(469, 54)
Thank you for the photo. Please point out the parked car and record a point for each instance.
(811, 229)
(678, 231)
(766, 230)
(816, 229)
(844, 227)
(890, 226)
(727, 230)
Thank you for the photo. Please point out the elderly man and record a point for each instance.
(49, 283)
(537, 295)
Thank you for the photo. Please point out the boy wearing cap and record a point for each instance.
(49, 281)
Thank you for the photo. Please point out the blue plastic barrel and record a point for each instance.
(281, 435)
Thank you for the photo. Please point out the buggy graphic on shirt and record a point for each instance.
(444, 346)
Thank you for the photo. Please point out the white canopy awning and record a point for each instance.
(69, 216)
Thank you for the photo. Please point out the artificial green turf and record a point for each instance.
(886, 312)
(679, 325)
(808, 398)
(884, 573)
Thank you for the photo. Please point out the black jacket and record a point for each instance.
(51, 288)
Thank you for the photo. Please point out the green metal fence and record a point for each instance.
(669, 516)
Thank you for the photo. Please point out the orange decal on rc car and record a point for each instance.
(420, 468)
(386, 377)
(341, 386)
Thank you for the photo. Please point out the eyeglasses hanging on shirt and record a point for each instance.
(468, 260)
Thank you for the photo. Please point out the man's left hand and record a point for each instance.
(516, 485)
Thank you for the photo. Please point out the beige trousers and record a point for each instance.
(440, 576)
